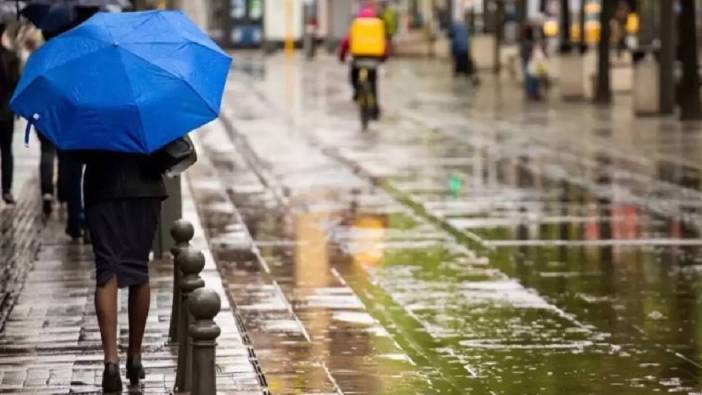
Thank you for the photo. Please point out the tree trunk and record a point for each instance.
(648, 23)
(522, 14)
(667, 57)
(499, 33)
(690, 85)
(565, 27)
(581, 22)
(603, 92)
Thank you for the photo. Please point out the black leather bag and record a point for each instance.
(178, 156)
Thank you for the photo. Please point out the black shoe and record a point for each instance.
(47, 205)
(8, 198)
(135, 371)
(111, 379)
(376, 114)
(74, 234)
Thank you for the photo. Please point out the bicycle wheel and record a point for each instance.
(364, 105)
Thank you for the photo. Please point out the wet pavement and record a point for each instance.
(468, 243)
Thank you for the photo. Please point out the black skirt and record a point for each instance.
(122, 233)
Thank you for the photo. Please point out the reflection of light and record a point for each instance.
(550, 28)
(311, 256)
(626, 226)
(593, 7)
(632, 24)
(369, 232)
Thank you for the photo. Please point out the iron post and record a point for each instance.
(191, 263)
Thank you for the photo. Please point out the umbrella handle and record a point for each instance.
(26, 132)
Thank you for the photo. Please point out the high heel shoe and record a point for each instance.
(111, 380)
(135, 371)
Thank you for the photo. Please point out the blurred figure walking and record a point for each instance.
(533, 63)
(389, 15)
(70, 170)
(460, 51)
(9, 76)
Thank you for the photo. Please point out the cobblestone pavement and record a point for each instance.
(20, 226)
(50, 343)
(468, 243)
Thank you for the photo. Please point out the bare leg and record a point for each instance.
(106, 309)
(139, 302)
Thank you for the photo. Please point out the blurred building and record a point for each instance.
(256, 23)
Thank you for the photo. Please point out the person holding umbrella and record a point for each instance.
(121, 89)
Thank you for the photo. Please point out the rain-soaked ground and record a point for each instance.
(468, 243)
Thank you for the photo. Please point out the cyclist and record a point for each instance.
(374, 46)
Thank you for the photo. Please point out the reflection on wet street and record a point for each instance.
(468, 243)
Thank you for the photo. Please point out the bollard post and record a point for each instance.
(204, 305)
(182, 232)
(191, 263)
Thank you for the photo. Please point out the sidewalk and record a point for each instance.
(51, 343)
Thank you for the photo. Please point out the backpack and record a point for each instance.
(368, 37)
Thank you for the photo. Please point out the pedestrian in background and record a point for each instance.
(70, 177)
(123, 195)
(460, 51)
(9, 76)
(388, 14)
(533, 63)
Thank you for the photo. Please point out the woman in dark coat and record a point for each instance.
(123, 194)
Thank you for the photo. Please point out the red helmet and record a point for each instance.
(366, 12)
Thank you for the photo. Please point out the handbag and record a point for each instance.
(537, 64)
(178, 156)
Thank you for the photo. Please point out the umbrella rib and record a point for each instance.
(219, 52)
(142, 23)
(131, 90)
(214, 111)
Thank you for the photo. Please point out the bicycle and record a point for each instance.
(366, 100)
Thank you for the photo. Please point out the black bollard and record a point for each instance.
(182, 232)
(191, 263)
(204, 304)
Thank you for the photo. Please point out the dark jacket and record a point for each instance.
(115, 176)
(9, 77)
(460, 39)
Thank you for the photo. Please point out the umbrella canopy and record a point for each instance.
(125, 82)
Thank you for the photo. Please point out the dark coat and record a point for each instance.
(9, 77)
(113, 176)
(460, 39)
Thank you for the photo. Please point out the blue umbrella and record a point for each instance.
(124, 82)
